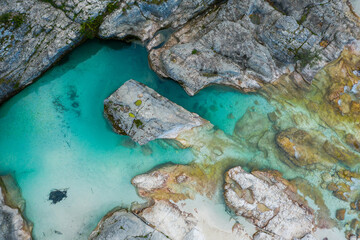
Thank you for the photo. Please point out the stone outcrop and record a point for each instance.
(268, 201)
(144, 115)
(169, 219)
(120, 224)
(143, 20)
(177, 182)
(33, 35)
(13, 226)
(245, 44)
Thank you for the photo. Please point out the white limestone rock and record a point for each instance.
(269, 202)
(144, 115)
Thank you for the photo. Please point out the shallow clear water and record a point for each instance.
(356, 6)
(54, 136)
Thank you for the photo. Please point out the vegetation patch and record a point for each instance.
(90, 28)
(209, 75)
(157, 2)
(15, 20)
(307, 57)
(194, 51)
(131, 115)
(138, 123)
(111, 7)
(138, 102)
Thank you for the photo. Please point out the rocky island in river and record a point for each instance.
(140, 159)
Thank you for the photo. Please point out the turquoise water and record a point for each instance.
(356, 6)
(54, 136)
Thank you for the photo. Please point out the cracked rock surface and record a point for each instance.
(246, 44)
(30, 45)
(123, 225)
(141, 19)
(270, 202)
(141, 113)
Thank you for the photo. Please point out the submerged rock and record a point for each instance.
(144, 115)
(57, 195)
(121, 225)
(340, 214)
(13, 226)
(268, 201)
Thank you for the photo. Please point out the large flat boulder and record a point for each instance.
(123, 225)
(268, 201)
(141, 113)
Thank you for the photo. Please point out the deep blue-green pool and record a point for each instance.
(54, 136)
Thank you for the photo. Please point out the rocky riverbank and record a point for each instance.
(303, 57)
(264, 39)
(35, 34)
(13, 226)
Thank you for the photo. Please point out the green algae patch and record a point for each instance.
(138, 123)
(186, 181)
(138, 103)
(326, 112)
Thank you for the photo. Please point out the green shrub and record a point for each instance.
(91, 27)
(18, 20)
(306, 57)
(138, 123)
(111, 7)
(194, 51)
(15, 19)
(5, 18)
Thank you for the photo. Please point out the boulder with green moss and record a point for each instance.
(143, 114)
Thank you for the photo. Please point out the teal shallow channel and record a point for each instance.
(54, 136)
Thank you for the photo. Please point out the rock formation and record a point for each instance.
(245, 44)
(33, 35)
(141, 113)
(13, 226)
(142, 20)
(268, 201)
(120, 224)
